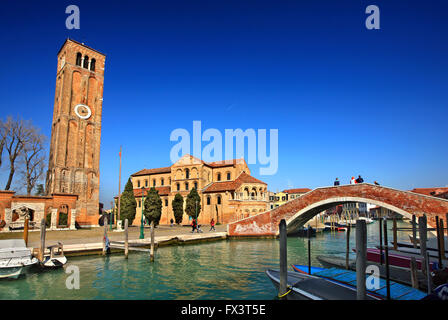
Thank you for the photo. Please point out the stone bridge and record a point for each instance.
(298, 211)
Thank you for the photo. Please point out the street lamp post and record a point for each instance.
(142, 235)
(196, 210)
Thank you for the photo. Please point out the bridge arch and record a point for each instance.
(296, 212)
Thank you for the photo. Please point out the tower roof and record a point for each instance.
(79, 43)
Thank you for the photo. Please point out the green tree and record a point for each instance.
(178, 207)
(153, 206)
(193, 204)
(40, 190)
(128, 203)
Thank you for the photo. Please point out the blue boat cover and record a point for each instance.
(397, 291)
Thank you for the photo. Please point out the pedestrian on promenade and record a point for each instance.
(353, 181)
(193, 225)
(336, 182)
(172, 222)
(212, 225)
(359, 180)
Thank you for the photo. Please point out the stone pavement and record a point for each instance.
(92, 238)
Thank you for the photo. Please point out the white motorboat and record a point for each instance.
(368, 220)
(56, 257)
(14, 257)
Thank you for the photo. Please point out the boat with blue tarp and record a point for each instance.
(348, 277)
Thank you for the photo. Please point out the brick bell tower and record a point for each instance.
(76, 129)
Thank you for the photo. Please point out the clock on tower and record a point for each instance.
(76, 128)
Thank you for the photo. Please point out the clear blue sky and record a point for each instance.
(346, 100)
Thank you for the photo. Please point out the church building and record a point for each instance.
(228, 191)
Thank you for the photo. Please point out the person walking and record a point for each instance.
(353, 181)
(212, 225)
(193, 225)
(359, 180)
(336, 182)
(172, 222)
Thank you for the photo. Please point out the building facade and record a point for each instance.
(76, 129)
(14, 208)
(280, 198)
(228, 192)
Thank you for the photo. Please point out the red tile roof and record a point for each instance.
(145, 172)
(231, 185)
(297, 190)
(163, 191)
(431, 191)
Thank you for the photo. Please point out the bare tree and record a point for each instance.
(17, 134)
(32, 159)
(2, 140)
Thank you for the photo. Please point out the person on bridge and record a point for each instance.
(353, 181)
(359, 180)
(336, 182)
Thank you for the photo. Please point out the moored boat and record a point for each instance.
(14, 258)
(399, 259)
(56, 258)
(348, 277)
(308, 287)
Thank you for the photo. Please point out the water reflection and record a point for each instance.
(232, 269)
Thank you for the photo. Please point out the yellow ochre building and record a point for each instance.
(228, 192)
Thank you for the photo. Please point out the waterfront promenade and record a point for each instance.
(90, 241)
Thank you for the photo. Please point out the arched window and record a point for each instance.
(146, 183)
(228, 176)
(218, 200)
(154, 182)
(138, 183)
(218, 177)
(178, 186)
(86, 62)
(162, 182)
(196, 185)
(208, 200)
(78, 58)
(92, 65)
(187, 174)
(186, 185)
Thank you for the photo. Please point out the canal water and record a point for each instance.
(222, 270)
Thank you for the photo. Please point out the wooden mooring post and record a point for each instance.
(347, 252)
(381, 240)
(151, 254)
(394, 229)
(386, 254)
(25, 230)
(283, 260)
(43, 230)
(422, 233)
(414, 278)
(361, 259)
(309, 250)
(105, 235)
(422, 228)
(442, 239)
(126, 239)
(414, 231)
(439, 245)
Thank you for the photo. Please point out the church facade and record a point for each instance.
(228, 191)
